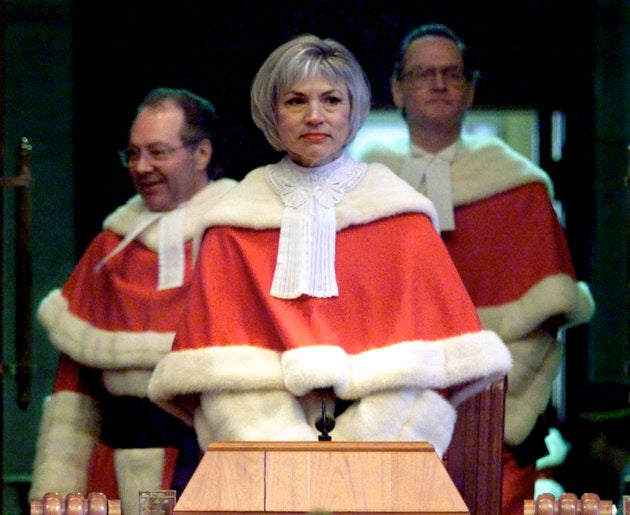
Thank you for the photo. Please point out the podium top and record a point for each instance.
(323, 446)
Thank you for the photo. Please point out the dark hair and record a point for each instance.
(200, 121)
(436, 29)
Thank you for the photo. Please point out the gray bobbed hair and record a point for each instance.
(305, 57)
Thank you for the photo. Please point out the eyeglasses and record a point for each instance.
(422, 77)
(154, 153)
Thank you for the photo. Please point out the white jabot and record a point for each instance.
(306, 250)
(171, 249)
(431, 173)
(171, 242)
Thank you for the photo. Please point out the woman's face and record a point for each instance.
(314, 120)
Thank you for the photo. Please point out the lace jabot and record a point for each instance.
(306, 251)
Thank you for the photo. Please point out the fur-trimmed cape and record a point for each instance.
(401, 341)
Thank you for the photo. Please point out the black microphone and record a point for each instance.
(324, 424)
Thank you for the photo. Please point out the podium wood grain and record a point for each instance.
(338, 477)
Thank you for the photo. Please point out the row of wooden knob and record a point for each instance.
(568, 504)
(96, 503)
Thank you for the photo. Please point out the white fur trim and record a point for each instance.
(124, 218)
(536, 362)
(486, 166)
(127, 382)
(398, 415)
(321, 366)
(202, 428)
(137, 469)
(269, 415)
(557, 295)
(208, 369)
(430, 364)
(96, 347)
(470, 358)
(482, 168)
(379, 194)
(583, 307)
(382, 194)
(68, 432)
(531, 355)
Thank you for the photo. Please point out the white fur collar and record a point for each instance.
(125, 217)
(487, 166)
(380, 194)
(482, 168)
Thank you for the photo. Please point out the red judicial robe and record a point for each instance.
(401, 341)
(111, 326)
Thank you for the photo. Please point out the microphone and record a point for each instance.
(324, 424)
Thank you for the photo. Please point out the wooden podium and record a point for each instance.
(330, 477)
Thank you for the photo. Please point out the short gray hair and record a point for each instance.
(303, 57)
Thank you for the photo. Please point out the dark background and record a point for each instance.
(530, 56)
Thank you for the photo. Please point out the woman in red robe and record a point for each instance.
(322, 278)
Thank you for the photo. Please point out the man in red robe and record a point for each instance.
(497, 217)
(115, 317)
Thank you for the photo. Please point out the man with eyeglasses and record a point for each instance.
(116, 315)
(498, 221)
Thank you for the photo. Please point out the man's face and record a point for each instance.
(165, 171)
(433, 89)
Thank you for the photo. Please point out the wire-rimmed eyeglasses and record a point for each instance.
(424, 76)
(156, 153)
